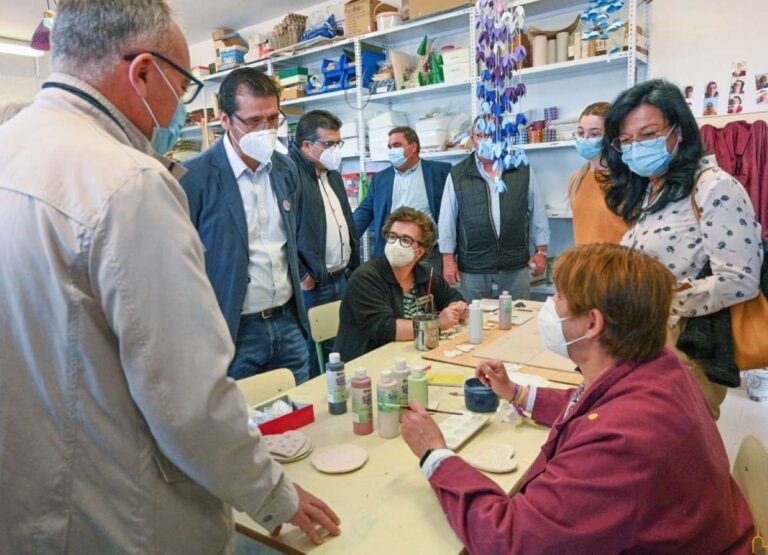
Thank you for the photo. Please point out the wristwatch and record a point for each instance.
(425, 456)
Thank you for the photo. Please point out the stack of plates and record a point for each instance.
(288, 447)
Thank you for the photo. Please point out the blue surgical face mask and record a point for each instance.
(163, 138)
(589, 149)
(648, 158)
(485, 149)
(397, 156)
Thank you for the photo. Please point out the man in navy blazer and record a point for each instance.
(410, 181)
(243, 199)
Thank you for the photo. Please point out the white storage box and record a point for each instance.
(379, 135)
(456, 73)
(441, 123)
(351, 147)
(379, 150)
(388, 120)
(455, 56)
(433, 138)
(348, 129)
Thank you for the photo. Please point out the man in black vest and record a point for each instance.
(326, 240)
(409, 181)
(486, 226)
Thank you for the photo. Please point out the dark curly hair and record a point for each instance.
(624, 190)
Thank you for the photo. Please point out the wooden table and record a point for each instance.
(387, 506)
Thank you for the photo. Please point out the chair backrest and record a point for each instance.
(261, 387)
(324, 321)
(751, 473)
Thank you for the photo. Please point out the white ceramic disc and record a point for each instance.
(339, 459)
(494, 457)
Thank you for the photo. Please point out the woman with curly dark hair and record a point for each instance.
(682, 209)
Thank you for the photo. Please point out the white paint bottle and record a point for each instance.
(387, 397)
(475, 322)
(505, 311)
(401, 372)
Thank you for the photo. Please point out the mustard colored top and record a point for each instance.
(593, 222)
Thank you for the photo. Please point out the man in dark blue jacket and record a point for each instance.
(327, 241)
(243, 199)
(410, 181)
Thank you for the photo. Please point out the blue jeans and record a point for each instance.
(265, 344)
(480, 286)
(322, 293)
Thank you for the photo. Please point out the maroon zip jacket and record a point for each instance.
(637, 466)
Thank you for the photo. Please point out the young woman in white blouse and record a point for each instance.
(656, 159)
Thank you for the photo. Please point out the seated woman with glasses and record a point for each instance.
(687, 213)
(382, 294)
(593, 222)
(633, 463)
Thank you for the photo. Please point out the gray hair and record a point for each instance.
(10, 109)
(90, 36)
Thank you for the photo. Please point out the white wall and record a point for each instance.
(19, 78)
(695, 41)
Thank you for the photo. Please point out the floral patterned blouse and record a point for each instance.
(727, 234)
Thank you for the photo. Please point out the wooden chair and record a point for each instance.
(261, 387)
(751, 473)
(324, 325)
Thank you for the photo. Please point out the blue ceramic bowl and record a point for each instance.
(479, 397)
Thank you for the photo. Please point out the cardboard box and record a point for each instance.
(419, 8)
(303, 414)
(359, 16)
(295, 91)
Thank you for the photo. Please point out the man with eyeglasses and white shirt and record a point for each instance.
(243, 200)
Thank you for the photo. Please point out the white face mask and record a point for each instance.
(551, 329)
(398, 255)
(330, 158)
(258, 145)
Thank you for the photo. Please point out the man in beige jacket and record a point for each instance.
(119, 430)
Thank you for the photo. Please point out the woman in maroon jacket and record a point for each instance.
(633, 463)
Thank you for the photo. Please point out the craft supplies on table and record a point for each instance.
(362, 403)
(337, 389)
(475, 322)
(280, 415)
(417, 386)
(479, 397)
(387, 397)
(339, 459)
(289, 446)
(496, 458)
(457, 430)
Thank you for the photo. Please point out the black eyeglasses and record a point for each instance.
(405, 240)
(257, 124)
(192, 89)
(330, 144)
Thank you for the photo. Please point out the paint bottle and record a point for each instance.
(475, 322)
(401, 372)
(362, 403)
(387, 395)
(337, 387)
(417, 386)
(505, 311)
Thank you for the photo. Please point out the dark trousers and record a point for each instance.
(265, 344)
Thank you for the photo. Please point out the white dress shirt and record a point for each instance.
(410, 190)
(270, 285)
(338, 247)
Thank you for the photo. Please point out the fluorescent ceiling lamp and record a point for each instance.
(18, 48)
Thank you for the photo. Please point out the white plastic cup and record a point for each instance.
(757, 385)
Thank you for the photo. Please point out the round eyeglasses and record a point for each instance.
(625, 143)
(406, 241)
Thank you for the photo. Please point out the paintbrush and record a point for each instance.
(407, 407)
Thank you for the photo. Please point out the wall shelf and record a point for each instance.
(583, 66)
(335, 96)
(547, 146)
(427, 89)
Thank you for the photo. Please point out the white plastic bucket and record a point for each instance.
(388, 20)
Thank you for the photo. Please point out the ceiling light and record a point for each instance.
(18, 48)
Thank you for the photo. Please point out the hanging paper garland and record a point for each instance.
(499, 53)
(598, 24)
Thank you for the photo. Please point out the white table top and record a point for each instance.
(387, 506)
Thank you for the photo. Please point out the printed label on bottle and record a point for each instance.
(403, 394)
(362, 411)
(337, 387)
(387, 399)
(507, 306)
